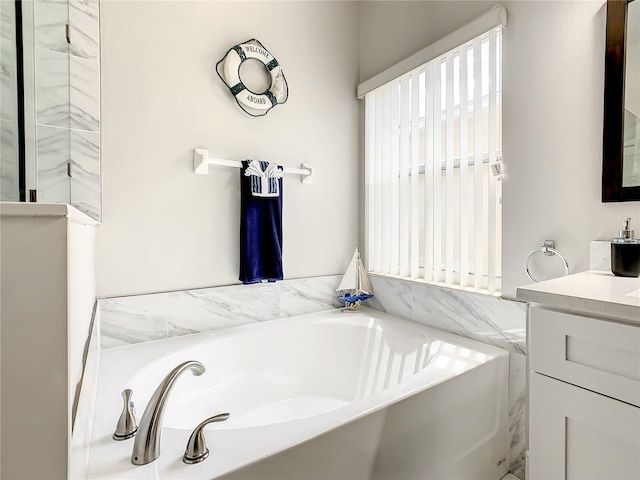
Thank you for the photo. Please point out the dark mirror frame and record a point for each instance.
(614, 72)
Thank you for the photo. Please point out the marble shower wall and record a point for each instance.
(8, 105)
(485, 318)
(67, 104)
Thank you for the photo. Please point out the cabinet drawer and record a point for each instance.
(596, 354)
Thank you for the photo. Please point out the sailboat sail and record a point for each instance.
(364, 286)
(355, 283)
(349, 281)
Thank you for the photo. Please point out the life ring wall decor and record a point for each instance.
(255, 104)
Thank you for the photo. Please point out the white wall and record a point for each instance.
(30, 270)
(165, 228)
(552, 115)
(47, 293)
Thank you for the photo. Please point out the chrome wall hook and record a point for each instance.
(197, 449)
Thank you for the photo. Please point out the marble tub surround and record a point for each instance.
(517, 413)
(141, 318)
(486, 318)
(489, 319)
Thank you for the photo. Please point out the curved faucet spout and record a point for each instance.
(146, 447)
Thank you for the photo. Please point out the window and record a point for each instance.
(433, 167)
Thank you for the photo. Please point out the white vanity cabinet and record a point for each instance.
(584, 378)
(584, 404)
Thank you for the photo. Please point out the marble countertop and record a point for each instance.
(593, 293)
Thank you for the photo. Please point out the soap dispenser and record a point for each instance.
(625, 253)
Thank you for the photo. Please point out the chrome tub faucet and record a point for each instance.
(147, 441)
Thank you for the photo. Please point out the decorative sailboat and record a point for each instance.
(354, 287)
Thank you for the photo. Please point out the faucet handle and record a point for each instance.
(127, 426)
(197, 449)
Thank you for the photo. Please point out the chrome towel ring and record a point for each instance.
(548, 249)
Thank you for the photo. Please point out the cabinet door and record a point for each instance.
(580, 435)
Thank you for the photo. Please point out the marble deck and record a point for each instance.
(127, 320)
(485, 318)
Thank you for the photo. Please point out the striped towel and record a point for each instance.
(264, 178)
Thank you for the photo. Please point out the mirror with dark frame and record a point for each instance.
(621, 141)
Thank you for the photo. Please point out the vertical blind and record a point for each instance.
(432, 169)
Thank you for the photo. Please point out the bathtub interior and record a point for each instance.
(254, 375)
(291, 382)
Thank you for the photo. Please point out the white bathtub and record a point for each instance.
(329, 395)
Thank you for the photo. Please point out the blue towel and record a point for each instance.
(260, 222)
